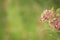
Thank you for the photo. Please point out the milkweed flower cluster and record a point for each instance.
(47, 14)
(51, 18)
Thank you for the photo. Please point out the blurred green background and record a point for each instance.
(19, 20)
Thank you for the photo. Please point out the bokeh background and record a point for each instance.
(19, 20)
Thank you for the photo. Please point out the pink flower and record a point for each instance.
(55, 23)
(46, 15)
(51, 18)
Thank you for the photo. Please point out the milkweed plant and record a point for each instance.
(52, 17)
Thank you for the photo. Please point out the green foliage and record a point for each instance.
(19, 21)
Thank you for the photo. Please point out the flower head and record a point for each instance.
(55, 22)
(51, 18)
(47, 14)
